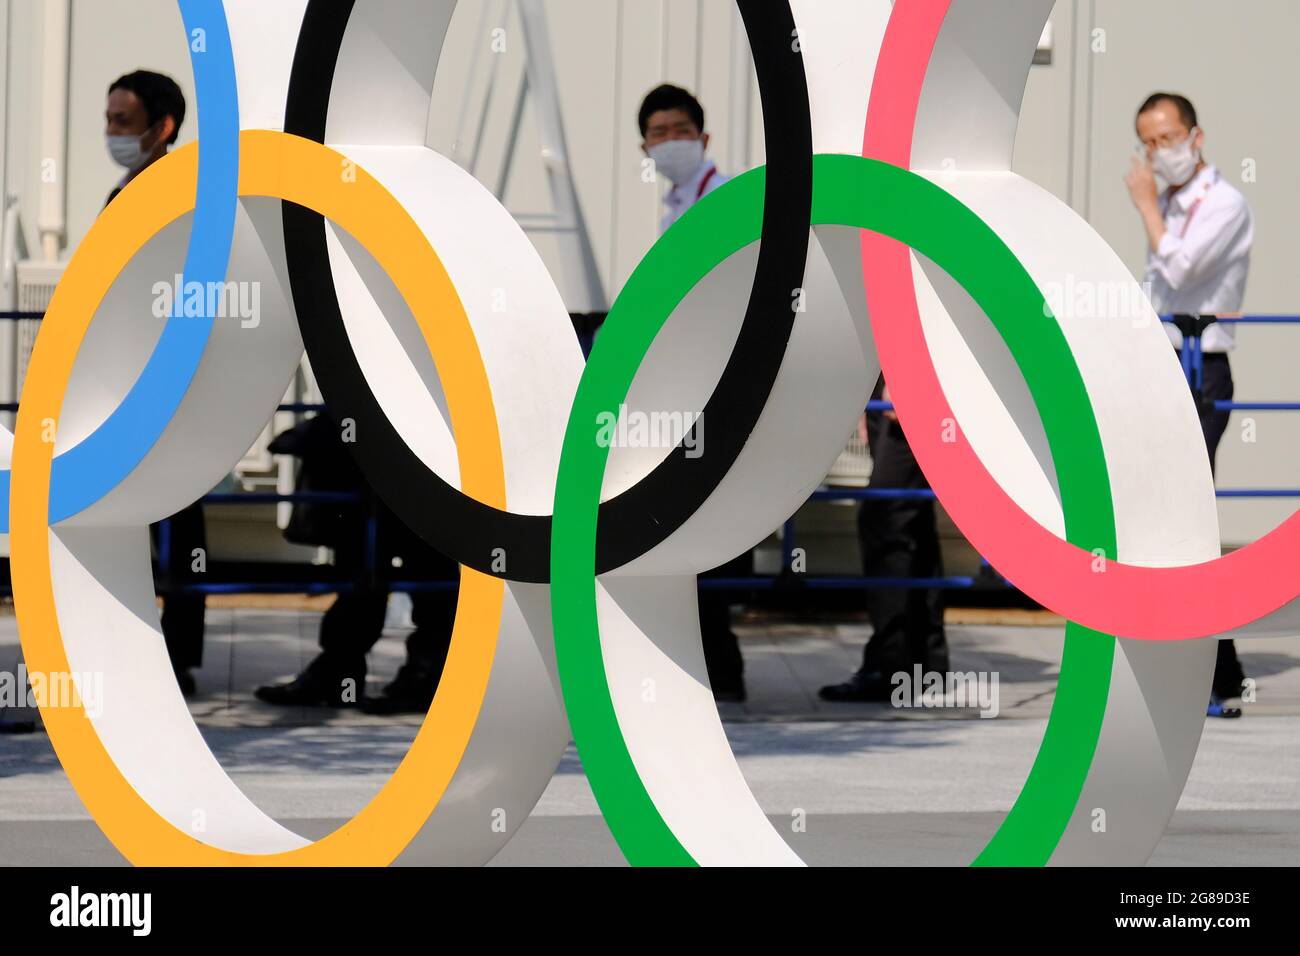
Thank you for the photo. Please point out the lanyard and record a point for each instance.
(1191, 213)
(705, 182)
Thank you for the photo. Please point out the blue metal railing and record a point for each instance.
(1193, 368)
(1193, 365)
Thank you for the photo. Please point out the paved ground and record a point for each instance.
(878, 785)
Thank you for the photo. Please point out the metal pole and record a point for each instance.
(585, 290)
(56, 39)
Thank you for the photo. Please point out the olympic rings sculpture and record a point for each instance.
(577, 597)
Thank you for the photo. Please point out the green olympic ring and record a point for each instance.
(855, 192)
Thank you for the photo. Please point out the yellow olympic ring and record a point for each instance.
(280, 166)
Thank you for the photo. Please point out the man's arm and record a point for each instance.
(1214, 232)
(1141, 182)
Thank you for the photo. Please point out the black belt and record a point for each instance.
(1193, 326)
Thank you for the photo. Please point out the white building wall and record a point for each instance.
(1233, 59)
(1235, 62)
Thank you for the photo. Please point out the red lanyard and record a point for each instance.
(705, 182)
(1191, 213)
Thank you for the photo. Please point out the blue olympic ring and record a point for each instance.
(85, 473)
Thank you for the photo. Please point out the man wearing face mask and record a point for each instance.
(672, 133)
(1199, 236)
(144, 115)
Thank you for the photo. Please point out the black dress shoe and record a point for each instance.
(312, 689)
(857, 690)
(410, 692)
(185, 681)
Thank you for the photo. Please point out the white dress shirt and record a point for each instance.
(1204, 257)
(682, 197)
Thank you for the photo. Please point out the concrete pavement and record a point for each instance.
(877, 785)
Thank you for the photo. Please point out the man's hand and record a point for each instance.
(890, 415)
(1141, 182)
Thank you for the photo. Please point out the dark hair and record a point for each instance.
(158, 94)
(1186, 111)
(669, 97)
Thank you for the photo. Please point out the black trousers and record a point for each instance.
(900, 538)
(721, 648)
(1217, 385)
(182, 614)
(355, 621)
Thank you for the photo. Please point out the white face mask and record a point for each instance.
(1177, 164)
(126, 151)
(678, 159)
